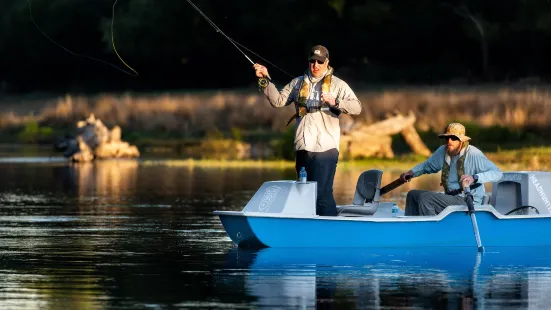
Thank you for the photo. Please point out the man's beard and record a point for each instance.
(453, 152)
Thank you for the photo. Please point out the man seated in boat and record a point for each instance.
(459, 162)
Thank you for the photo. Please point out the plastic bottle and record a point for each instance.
(395, 210)
(302, 175)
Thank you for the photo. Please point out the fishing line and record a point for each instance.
(232, 41)
(133, 73)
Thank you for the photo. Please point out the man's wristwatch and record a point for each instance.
(337, 101)
(475, 177)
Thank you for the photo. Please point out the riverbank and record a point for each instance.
(497, 118)
(535, 158)
(238, 127)
(271, 145)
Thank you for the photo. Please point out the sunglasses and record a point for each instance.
(451, 138)
(318, 61)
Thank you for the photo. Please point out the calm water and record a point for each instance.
(124, 234)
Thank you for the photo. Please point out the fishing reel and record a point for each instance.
(263, 82)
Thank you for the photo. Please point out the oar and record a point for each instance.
(470, 204)
(392, 185)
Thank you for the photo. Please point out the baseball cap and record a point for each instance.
(319, 52)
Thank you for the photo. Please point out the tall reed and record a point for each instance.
(196, 113)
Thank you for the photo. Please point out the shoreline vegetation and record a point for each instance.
(537, 158)
(511, 125)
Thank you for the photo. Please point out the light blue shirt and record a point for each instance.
(476, 163)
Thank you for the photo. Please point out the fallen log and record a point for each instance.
(374, 140)
(387, 127)
(414, 141)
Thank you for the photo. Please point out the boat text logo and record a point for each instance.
(517, 177)
(268, 198)
(540, 191)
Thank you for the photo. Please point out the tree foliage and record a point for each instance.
(172, 46)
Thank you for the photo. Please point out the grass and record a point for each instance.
(366, 163)
(538, 158)
(523, 159)
(207, 163)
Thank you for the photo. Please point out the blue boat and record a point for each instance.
(281, 214)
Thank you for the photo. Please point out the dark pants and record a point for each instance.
(321, 167)
(430, 203)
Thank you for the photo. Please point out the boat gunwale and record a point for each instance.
(399, 219)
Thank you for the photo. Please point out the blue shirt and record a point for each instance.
(476, 163)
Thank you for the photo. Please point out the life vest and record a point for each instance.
(304, 91)
(459, 165)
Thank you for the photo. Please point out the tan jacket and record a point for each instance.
(317, 131)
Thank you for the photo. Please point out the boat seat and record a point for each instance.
(366, 196)
(507, 199)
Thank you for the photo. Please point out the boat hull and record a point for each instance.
(451, 228)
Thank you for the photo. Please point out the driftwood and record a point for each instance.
(375, 139)
(95, 141)
(414, 141)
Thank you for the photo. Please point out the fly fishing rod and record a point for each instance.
(133, 73)
(262, 82)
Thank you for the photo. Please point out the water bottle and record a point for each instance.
(302, 175)
(395, 210)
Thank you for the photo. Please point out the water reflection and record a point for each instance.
(120, 181)
(122, 234)
(128, 182)
(450, 278)
(112, 178)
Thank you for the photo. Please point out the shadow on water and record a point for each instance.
(428, 278)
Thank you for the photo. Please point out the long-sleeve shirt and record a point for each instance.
(317, 131)
(476, 163)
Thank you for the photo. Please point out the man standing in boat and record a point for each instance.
(319, 98)
(459, 162)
